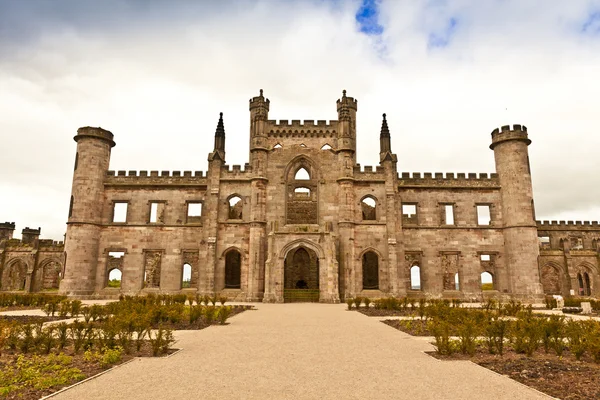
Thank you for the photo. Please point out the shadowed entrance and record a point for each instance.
(301, 275)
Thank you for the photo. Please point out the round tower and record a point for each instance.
(346, 108)
(519, 227)
(85, 210)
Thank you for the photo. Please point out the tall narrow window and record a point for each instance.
(186, 278)
(483, 214)
(233, 261)
(235, 208)
(370, 267)
(114, 278)
(157, 212)
(194, 212)
(119, 212)
(71, 207)
(581, 287)
(76, 160)
(587, 286)
(369, 209)
(415, 278)
(456, 282)
(448, 214)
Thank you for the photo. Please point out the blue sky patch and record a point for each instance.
(367, 17)
(442, 39)
(592, 24)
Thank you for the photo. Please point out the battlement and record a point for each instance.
(506, 133)
(97, 133)
(567, 225)
(51, 243)
(259, 101)
(153, 178)
(235, 171)
(306, 128)
(449, 179)
(30, 231)
(7, 225)
(346, 101)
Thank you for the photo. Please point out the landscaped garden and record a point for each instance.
(39, 355)
(552, 353)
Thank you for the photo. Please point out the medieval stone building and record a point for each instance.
(302, 218)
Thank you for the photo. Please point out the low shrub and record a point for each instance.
(349, 303)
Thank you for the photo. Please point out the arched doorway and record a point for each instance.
(14, 276)
(233, 269)
(301, 275)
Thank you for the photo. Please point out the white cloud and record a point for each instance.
(157, 76)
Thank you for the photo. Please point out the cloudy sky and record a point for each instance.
(157, 73)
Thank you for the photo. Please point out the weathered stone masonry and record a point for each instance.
(303, 215)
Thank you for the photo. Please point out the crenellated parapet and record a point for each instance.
(155, 178)
(448, 180)
(298, 128)
(568, 225)
(506, 133)
(235, 172)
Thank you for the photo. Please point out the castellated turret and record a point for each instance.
(346, 109)
(85, 210)
(520, 231)
(259, 114)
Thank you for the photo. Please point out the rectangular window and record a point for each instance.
(409, 213)
(119, 211)
(483, 214)
(194, 212)
(544, 242)
(448, 214)
(157, 212)
(485, 257)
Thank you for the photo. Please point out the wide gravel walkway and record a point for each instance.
(300, 351)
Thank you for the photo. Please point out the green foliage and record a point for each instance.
(527, 333)
(209, 314)
(440, 330)
(222, 300)
(349, 303)
(37, 372)
(114, 283)
(367, 302)
(161, 340)
(496, 331)
(28, 300)
(576, 337)
(75, 308)
(357, 302)
(105, 357)
(512, 308)
(224, 313)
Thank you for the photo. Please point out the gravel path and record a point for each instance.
(300, 351)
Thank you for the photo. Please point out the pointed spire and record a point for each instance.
(385, 131)
(220, 132)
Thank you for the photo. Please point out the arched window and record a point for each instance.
(456, 282)
(415, 277)
(326, 147)
(580, 281)
(302, 192)
(186, 277)
(235, 208)
(586, 282)
(302, 175)
(370, 269)
(369, 207)
(277, 146)
(114, 278)
(487, 281)
(233, 270)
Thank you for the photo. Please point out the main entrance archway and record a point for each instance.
(301, 275)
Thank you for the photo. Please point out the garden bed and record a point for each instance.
(376, 312)
(28, 319)
(564, 378)
(414, 327)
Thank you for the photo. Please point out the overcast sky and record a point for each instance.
(157, 74)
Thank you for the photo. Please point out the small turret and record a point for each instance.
(30, 236)
(259, 110)
(346, 109)
(6, 230)
(259, 115)
(220, 137)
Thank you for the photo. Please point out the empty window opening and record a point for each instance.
(302, 145)
(544, 242)
(587, 286)
(76, 161)
(370, 267)
(415, 278)
(369, 208)
(277, 146)
(302, 175)
(235, 208)
(186, 279)
(576, 243)
(302, 192)
(233, 270)
(449, 214)
(194, 212)
(114, 278)
(456, 282)
(116, 254)
(487, 281)
(326, 147)
(157, 212)
(152, 269)
(120, 212)
(409, 213)
(484, 257)
(483, 214)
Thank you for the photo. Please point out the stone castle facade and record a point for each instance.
(302, 217)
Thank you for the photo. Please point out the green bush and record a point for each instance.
(357, 302)
(366, 301)
(349, 303)
(224, 313)
(576, 337)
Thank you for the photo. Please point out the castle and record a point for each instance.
(302, 220)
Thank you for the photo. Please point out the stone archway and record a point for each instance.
(14, 276)
(301, 275)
